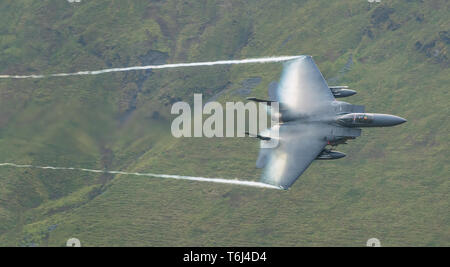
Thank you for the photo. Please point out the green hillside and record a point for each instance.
(393, 185)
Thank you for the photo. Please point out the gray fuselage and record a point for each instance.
(357, 120)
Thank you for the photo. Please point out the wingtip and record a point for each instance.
(300, 58)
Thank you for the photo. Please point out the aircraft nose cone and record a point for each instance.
(394, 120)
(399, 120)
(386, 120)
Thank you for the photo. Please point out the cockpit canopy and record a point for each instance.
(355, 119)
(363, 118)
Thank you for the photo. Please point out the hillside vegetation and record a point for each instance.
(393, 184)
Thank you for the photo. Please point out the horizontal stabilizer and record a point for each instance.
(338, 87)
(264, 138)
(268, 102)
(341, 91)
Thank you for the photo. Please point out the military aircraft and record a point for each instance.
(311, 123)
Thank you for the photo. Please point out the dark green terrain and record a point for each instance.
(393, 185)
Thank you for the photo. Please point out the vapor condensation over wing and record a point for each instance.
(165, 66)
(302, 90)
(165, 176)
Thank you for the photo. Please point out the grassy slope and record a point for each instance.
(393, 185)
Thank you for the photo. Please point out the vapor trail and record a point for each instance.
(165, 176)
(166, 66)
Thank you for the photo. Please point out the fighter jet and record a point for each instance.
(311, 123)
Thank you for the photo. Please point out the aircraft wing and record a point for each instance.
(298, 145)
(302, 90)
